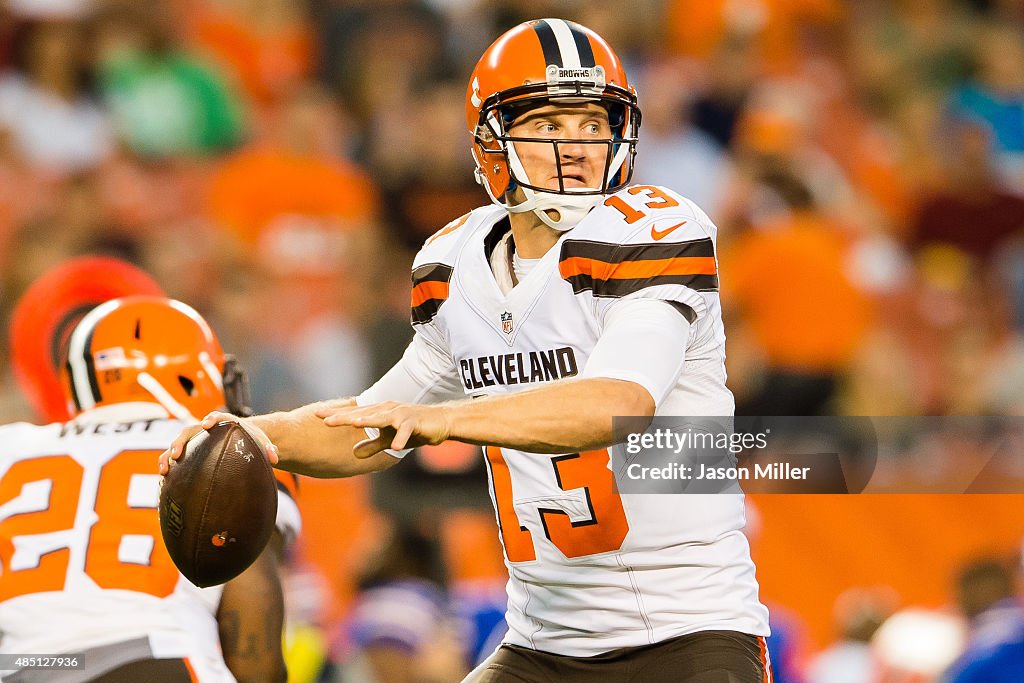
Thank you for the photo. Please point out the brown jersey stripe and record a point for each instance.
(431, 272)
(426, 311)
(617, 253)
(613, 270)
(427, 290)
(618, 288)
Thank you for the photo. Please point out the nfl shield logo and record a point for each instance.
(506, 322)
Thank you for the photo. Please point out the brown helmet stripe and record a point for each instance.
(582, 45)
(548, 43)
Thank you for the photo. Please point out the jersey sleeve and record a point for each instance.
(425, 374)
(643, 341)
(669, 254)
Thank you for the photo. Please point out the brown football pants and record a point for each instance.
(703, 657)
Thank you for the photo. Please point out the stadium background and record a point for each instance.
(275, 163)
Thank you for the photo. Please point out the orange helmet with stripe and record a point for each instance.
(48, 311)
(542, 62)
(155, 350)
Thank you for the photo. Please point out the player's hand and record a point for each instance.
(178, 445)
(401, 425)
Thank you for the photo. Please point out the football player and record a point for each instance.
(573, 298)
(83, 568)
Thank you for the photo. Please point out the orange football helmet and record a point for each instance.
(48, 311)
(542, 62)
(151, 349)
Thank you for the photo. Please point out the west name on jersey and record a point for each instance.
(70, 429)
(518, 368)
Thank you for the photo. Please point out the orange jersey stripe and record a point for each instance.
(191, 672)
(431, 289)
(765, 663)
(637, 270)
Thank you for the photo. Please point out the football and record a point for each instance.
(218, 504)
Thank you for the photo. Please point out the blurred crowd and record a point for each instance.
(276, 163)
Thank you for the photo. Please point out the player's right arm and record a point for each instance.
(250, 619)
(299, 441)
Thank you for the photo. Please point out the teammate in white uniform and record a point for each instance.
(83, 569)
(576, 298)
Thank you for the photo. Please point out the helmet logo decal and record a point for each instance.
(583, 80)
(111, 358)
(475, 97)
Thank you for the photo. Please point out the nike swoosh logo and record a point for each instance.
(658, 234)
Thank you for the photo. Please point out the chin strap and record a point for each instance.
(570, 208)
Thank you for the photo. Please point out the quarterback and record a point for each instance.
(572, 298)
(84, 575)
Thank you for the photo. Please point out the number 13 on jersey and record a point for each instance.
(603, 531)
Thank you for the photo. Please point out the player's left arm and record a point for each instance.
(251, 617)
(636, 361)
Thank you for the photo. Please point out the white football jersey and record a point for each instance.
(82, 563)
(592, 570)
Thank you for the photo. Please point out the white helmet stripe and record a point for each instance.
(78, 354)
(163, 397)
(566, 43)
(617, 161)
(211, 369)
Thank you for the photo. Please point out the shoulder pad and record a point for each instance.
(14, 429)
(640, 237)
(16, 437)
(432, 268)
(444, 245)
(651, 213)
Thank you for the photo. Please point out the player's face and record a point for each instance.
(585, 127)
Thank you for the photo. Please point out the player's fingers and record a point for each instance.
(325, 408)
(177, 447)
(273, 453)
(404, 431)
(358, 417)
(333, 418)
(215, 417)
(348, 407)
(369, 447)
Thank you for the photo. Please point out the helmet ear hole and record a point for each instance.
(188, 385)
